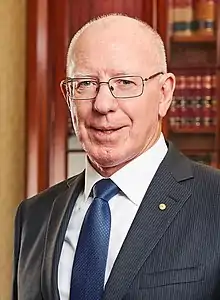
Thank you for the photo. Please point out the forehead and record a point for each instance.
(113, 49)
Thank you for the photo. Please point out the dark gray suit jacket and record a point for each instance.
(171, 254)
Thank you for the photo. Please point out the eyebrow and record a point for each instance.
(126, 73)
(112, 73)
(79, 75)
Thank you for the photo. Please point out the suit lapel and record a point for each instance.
(57, 225)
(150, 223)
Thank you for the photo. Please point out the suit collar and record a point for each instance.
(178, 164)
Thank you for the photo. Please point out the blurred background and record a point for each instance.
(38, 147)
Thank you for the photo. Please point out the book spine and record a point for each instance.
(205, 16)
(190, 99)
(197, 103)
(214, 100)
(174, 112)
(184, 105)
(207, 100)
(182, 17)
(170, 17)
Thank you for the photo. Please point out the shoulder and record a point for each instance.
(43, 201)
(210, 174)
(206, 179)
(200, 176)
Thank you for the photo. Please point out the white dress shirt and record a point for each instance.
(133, 180)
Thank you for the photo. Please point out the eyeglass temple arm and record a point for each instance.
(154, 75)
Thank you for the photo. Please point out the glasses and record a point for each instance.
(87, 88)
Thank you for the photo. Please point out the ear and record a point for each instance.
(168, 82)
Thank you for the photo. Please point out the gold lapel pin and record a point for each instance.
(162, 206)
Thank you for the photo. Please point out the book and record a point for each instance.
(197, 102)
(182, 17)
(190, 96)
(170, 17)
(214, 100)
(175, 108)
(207, 100)
(204, 15)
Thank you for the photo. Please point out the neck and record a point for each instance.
(107, 171)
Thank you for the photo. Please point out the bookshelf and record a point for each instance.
(192, 40)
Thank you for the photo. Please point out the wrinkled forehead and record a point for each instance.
(123, 48)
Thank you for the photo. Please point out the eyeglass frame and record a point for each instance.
(69, 79)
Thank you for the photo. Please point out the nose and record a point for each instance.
(105, 101)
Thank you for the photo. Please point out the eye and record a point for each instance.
(86, 84)
(122, 81)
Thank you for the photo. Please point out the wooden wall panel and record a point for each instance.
(102, 7)
(78, 14)
(37, 97)
(147, 13)
(31, 122)
(82, 11)
(58, 29)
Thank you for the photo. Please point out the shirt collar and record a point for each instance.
(134, 177)
(91, 177)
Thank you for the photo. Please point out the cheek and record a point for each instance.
(80, 114)
(143, 113)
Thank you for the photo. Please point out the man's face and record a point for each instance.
(114, 131)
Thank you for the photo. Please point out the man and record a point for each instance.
(142, 221)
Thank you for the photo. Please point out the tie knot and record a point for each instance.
(105, 189)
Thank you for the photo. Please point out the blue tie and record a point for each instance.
(88, 273)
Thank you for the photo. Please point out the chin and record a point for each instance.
(110, 161)
(106, 158)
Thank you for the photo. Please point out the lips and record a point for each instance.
(107, 129)
(106, 132)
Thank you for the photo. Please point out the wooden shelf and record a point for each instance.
(203, 68)
(194, 130)
(196, 38)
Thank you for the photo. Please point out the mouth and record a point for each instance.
(106, 130)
